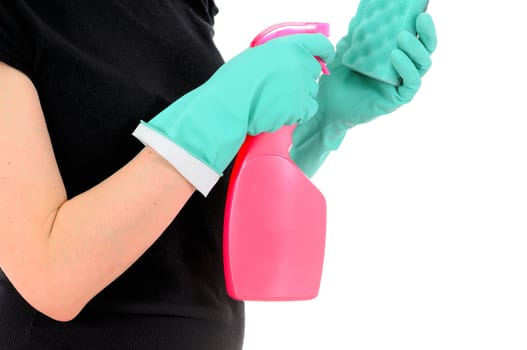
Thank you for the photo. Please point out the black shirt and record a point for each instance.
(100, 66)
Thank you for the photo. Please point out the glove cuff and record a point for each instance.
(199, 174)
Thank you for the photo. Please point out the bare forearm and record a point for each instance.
(97, 235)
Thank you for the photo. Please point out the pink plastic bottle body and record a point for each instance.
(275, 218)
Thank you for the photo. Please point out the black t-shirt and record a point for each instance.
(100, 66)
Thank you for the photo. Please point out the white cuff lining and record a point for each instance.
(200, 175)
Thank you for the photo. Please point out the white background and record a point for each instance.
(426, 245)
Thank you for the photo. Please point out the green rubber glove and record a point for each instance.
(347, 98)
(260, 90)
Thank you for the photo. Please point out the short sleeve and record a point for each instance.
(213, 8)
(14, 45)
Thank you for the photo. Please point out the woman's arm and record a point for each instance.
(59, 252)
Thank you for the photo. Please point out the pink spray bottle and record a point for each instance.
(275, 218)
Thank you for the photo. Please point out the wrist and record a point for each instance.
(202, 176)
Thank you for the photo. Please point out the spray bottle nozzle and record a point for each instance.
(288, 28)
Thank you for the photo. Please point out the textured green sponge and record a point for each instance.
(373, 34)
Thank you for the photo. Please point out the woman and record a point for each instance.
(109, 241)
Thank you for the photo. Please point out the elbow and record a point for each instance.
(58, 301)
(60, 313)
(51, 299)
(56, 306)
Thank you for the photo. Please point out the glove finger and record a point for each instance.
(415, 50)
(316, 44)
(311, 109)
(313, 88)
(426, 31)
(411, 80)
(303, 104)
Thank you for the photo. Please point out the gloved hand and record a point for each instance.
(260, 90)
(347, 98)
